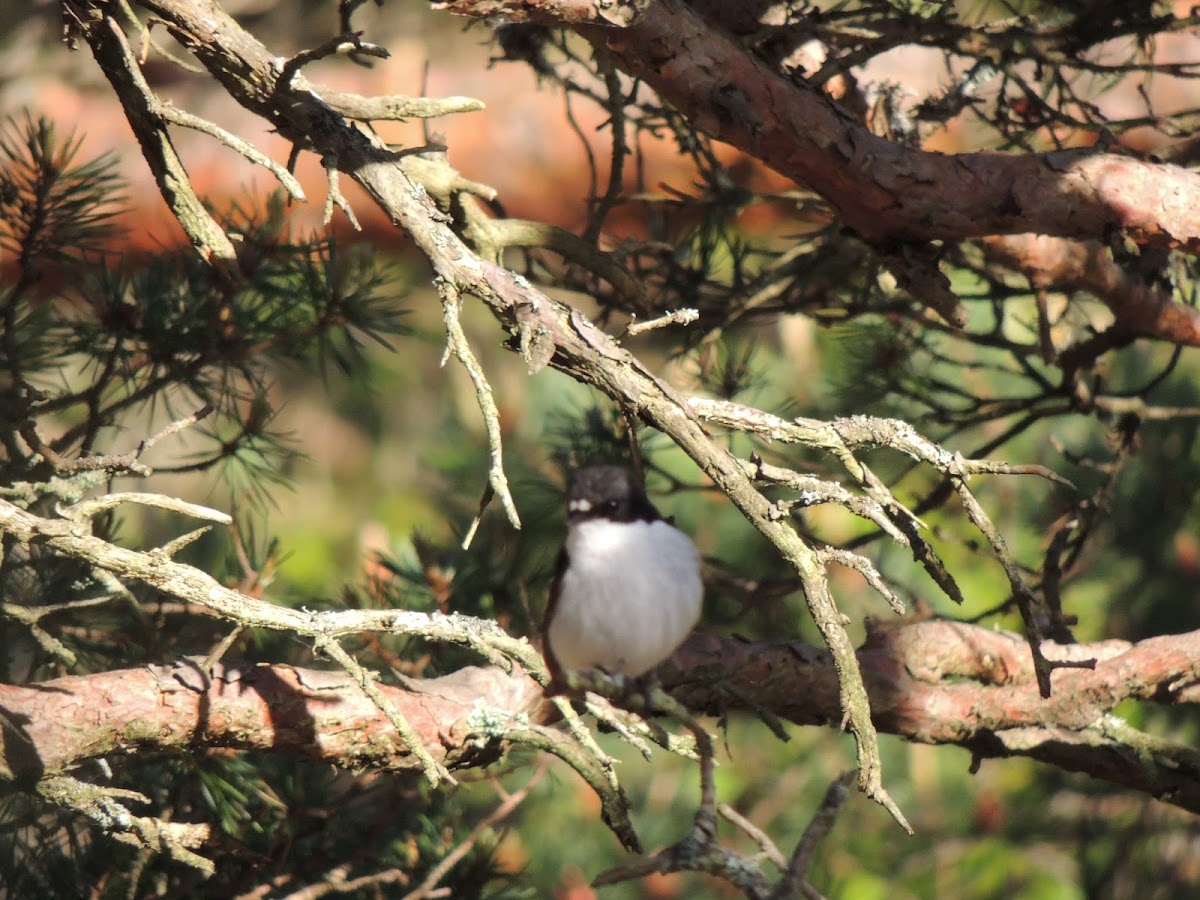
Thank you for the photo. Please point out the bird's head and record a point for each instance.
(607, 492)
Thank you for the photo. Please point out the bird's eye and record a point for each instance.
(611, 505)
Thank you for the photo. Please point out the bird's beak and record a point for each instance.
(578, 510)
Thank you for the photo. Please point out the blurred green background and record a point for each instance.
(373, 475)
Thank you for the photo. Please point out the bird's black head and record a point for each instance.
(608, 492)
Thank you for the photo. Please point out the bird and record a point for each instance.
(627, 587)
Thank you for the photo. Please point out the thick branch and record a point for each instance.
(951, 683)
(933, 682)
(323, 716)
(884, 190)
(1141, 306)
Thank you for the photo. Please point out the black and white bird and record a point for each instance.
(627, 589)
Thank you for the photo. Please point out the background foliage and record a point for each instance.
(352, 461)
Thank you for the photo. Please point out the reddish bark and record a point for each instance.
(886, 191)
(316, 714)
(1142, 307)
(932, 682)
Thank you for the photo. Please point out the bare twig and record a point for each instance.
(187, 120)
(456, 343)
(148, 41)
(614, 805)
(818, 829)
(814, 491)
(87, 509)
(867, 570)
(434, 770)
(497, 815)
(195, 586)
(547, 331)
(678, 317)
(172, 547)
(756, 834)
(1027, 601)
(219, 651)
(105, 806)
(397, 106)
(142, 108)
(336, 881)
(340, 45)
(31, 617)
(698, 849)
(841, 435)
(125, 462)
(490, 237)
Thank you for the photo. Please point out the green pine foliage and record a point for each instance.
(97, 354)
(96, 350)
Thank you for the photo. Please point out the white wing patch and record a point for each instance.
(631, 594)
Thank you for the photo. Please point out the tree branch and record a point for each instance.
(543, 330)
(1141, 306)
(143, 110)
(934, 682)
(321, 715)
(886, 191)
(73, 539)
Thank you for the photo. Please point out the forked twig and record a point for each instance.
(456, 343)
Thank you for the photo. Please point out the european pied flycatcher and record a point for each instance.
(627, 589)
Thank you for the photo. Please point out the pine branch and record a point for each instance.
(884, 190)
(935, 682)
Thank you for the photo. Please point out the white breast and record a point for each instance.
(630, 595)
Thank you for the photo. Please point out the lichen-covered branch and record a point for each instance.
(73, 539)
(107, 808)
(456, 343)
(142, 109)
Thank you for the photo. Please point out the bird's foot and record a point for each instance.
(639, 692)
(635, 693)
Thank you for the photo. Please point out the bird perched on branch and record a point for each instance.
(627, 589)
